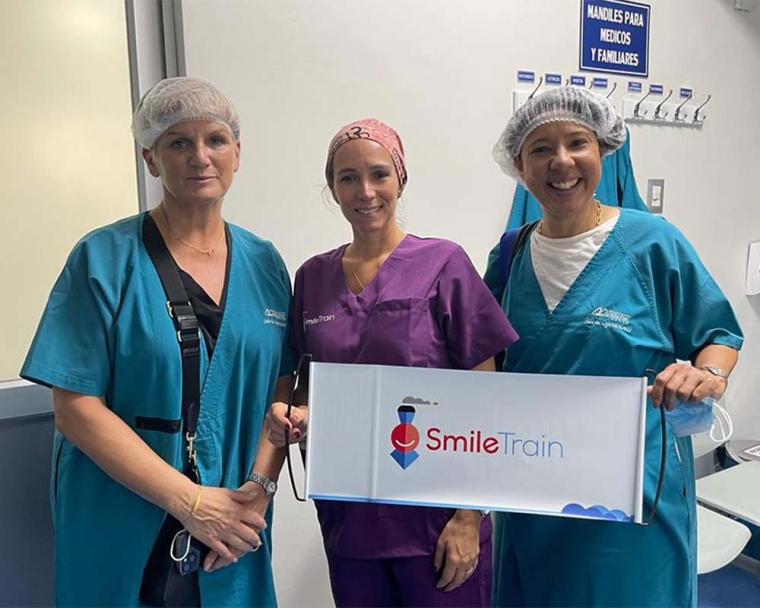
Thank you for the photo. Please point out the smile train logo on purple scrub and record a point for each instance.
(405, 437)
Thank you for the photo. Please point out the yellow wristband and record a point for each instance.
(196, 504)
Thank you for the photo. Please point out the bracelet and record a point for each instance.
(196, 504)
(715, 371)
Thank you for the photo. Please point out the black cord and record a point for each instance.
(663, 454)
(299, 498)
(661, 476)
(305, 358)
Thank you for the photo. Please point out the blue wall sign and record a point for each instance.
(553, 78)
(526, 76)
(634, 86)
(686, 92)
(579, 81)
(598, 83)
(657, 89)
(615, 37)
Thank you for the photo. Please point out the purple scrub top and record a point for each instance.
(426, 307)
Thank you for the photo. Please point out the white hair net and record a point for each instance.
(574, 104)
(175, 100)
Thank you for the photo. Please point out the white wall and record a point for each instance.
(442, 73)
(67, 165)
(709, 173)
(68, 152)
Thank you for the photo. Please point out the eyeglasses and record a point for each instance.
(298, 374)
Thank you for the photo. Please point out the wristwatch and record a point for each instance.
(269, 485)
(715, 371)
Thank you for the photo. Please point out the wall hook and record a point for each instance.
(636, 113)
(538, 86)
(658, 114)
(681, 116)
(612, 90)
(697, 119)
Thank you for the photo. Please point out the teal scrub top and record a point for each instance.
(105, 332)
(643, 301)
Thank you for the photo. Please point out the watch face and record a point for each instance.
(269, 485)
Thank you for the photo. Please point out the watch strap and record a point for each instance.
(269, 485)
(715, 371)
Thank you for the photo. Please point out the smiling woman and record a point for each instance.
(391, 298)
(602, 291)
(560, 165)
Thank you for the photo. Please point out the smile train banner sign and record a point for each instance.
(571, 446)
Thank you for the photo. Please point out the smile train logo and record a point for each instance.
(405, 437)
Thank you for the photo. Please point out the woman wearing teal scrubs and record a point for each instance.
(108, 348)
(601, 291)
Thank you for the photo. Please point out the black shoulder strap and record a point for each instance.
(522, 236)
(185, 322)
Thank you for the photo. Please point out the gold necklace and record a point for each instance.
(540, 227)
(353, 266)
(356, 276)
(183, 241)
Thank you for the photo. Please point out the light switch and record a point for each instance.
(753, 269)
(655, 195)
(518, 99)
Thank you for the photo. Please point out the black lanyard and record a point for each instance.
(188, 335)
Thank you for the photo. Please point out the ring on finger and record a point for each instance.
(470, 571)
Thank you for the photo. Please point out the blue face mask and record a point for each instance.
(694, 418)
(691, 418)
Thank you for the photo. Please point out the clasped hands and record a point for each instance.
(229, 522)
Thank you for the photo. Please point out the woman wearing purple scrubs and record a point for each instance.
(390, 298)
